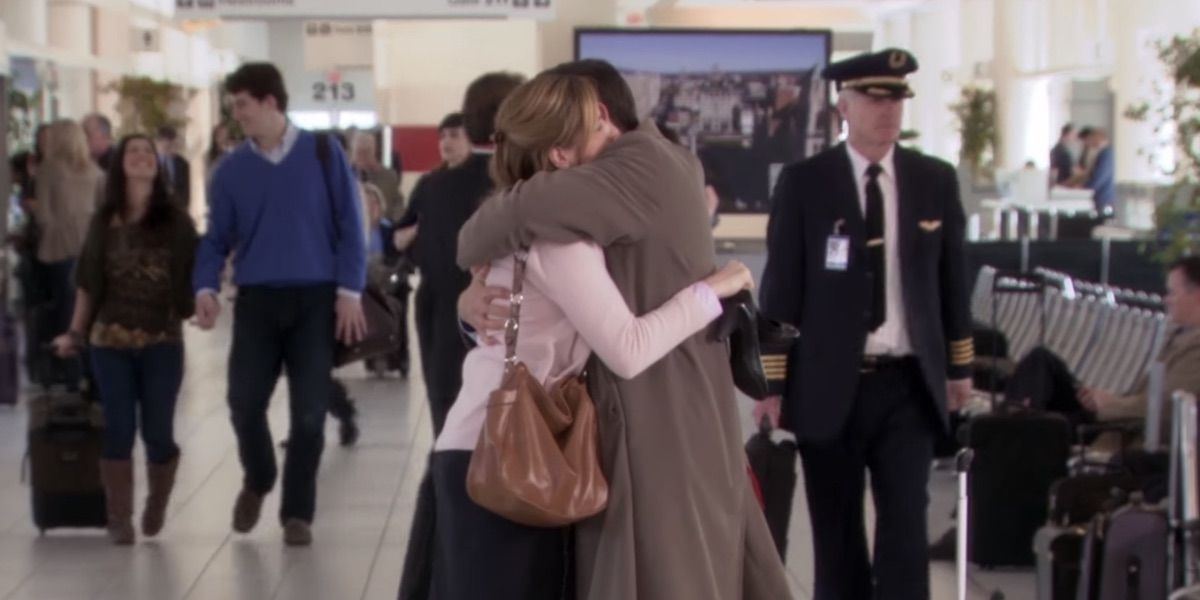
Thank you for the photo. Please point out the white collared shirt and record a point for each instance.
(280, 152)
(892, 337)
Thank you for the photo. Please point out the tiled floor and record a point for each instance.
(366, 499)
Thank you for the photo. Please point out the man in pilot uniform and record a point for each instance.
(865, 256)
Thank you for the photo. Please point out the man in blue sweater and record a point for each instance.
(295, 229)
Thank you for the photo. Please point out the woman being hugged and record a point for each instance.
(133, 294)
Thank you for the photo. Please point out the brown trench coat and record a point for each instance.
(682, 522)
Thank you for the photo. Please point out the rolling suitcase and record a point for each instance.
(65, 440)
(1058, 545)
(1058, 549)
(774, 467)
(1017, 457)
(1125, 554)
(9, 374)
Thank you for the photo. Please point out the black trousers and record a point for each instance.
(274, 328)
(479, 554)
(442, 347)
(890, 434)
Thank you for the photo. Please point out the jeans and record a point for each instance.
(274, 328)
(139, 384)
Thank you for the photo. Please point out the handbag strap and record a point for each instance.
(512, 325)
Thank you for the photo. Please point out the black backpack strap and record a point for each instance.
(324, 158)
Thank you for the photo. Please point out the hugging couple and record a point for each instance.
(621, 281)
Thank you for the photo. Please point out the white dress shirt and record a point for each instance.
(892, 337)
(278, 153)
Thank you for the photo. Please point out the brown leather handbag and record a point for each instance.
(537, 460)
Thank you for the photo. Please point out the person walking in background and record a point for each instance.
(175, 168)
(1101, 179)
(221, 143)
(134, 291)
(99, 132)
(69, 188)
(386, 268)
(300, 267)
(1062, 162)
(364, 157)
(865, 255)
(442, 201)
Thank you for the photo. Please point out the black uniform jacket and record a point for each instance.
(830, 307)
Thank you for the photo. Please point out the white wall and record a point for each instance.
(423, 67)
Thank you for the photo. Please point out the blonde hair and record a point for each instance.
(67, 143)
(370, 194)
(549, 111)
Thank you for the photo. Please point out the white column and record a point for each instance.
(1022, 101)
(935, 42)
(71, 31)
(27, 20)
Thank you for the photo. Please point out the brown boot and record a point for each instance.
(160, 479)
(246, 510)
(118, 495)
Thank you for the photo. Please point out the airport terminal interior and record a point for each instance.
(1008, 190)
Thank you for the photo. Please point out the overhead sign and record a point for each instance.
(338, 44)
(363, 9)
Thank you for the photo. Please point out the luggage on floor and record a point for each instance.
(1125, 554)
(1058, 546)
(9, 375)
(65, 441)
(774, 466)
(1018, 455)
(1077, 499)
(1059, 550)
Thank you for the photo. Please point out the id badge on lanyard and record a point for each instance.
(837, 248)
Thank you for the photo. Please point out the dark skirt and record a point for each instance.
(478, 554)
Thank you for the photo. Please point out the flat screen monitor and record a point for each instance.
(746, 102)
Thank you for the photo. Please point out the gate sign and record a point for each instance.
(364, 9)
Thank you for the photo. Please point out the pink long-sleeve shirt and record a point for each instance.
(572, 308)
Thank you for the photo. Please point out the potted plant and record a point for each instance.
(1177, 216)
(976, 112)
(147, 104)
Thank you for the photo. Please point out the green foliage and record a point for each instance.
(23, 117)
(147, 104)
(1178, 217)
(976, 112)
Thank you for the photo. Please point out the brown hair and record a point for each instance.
(551, 110)
(481, 101)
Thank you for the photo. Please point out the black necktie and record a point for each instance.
(876, 265)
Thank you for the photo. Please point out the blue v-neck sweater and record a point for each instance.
(280, 223)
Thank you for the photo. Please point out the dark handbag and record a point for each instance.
(758, 346)
(383, 314)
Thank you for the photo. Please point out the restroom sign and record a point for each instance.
(364, 9)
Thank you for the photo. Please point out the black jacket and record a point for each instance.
(831, 307)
